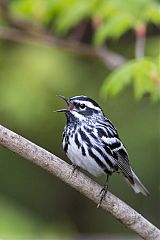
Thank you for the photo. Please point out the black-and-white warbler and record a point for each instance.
(91, 142)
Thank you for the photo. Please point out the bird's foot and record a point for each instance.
(75, 168)
(102, 193)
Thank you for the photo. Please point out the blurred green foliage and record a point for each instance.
(114, 16)
(140, 73)
(110, 19)
(119, 16)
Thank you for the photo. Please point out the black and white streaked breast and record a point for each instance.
(87, 149)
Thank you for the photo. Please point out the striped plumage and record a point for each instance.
(91, 142)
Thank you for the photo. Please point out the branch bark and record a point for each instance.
(56, 166)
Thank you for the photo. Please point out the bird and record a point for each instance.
(92, 143)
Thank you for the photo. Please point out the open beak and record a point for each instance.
(64, 98)
(70, 105)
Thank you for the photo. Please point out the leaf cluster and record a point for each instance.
(143, 73)
(109, 19)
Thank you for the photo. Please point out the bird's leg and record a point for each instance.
(103, 191)
(75, 168)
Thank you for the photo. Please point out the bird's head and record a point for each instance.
(81, 107)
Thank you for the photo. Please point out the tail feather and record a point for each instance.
(137, 185)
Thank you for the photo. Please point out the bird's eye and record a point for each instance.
(82, 105)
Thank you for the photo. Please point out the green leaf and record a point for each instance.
(104, 10)
(114, 28)
(36, 9)
(146, 79)
(153, 13)
(118, 79)
(142, 77)
(72, 15)
(143, 73)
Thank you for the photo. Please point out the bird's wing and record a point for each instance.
(109, 137)
(123, 164)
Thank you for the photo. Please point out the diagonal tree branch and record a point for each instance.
(39, 156)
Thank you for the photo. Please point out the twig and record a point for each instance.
(140, 33)
(109, 58)
(39, 156)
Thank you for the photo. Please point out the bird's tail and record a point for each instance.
(137, 185)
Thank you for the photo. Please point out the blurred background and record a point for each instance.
(107, 50)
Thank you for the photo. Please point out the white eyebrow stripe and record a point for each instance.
(88, 104)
